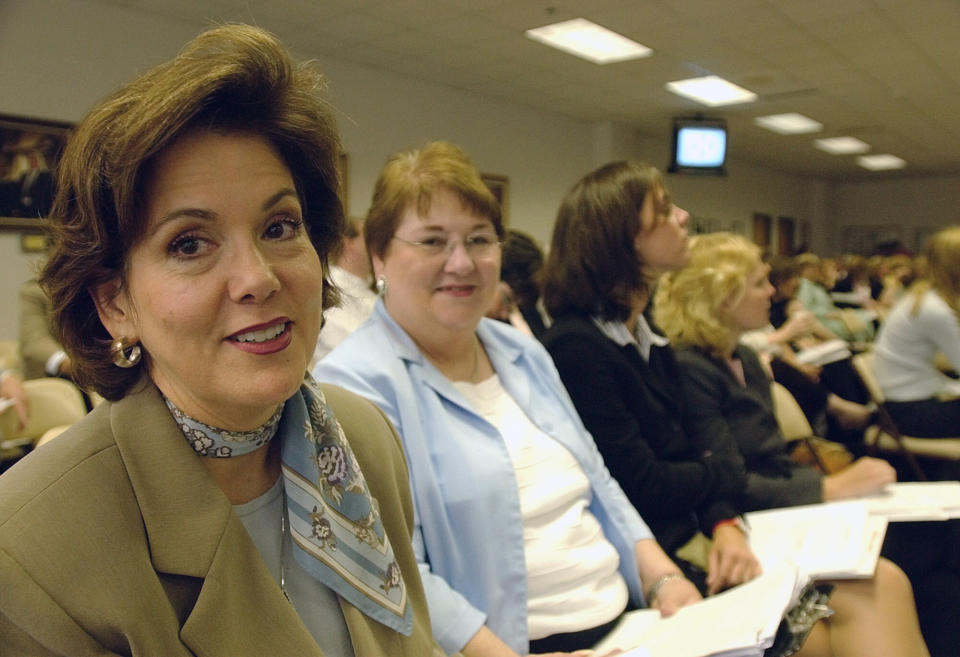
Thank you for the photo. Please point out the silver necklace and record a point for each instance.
(283, 556)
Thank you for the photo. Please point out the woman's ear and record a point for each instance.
(114, 309)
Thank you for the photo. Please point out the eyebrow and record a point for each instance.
(479, 226)
(208, 215)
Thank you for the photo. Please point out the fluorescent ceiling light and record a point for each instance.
(789, 124)
(590, 41)
(881, 162)
(842, 145)
(711, 90)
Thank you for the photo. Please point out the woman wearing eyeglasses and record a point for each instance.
(525, 543)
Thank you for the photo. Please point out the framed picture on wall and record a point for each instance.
(29, 152)
(500, 186)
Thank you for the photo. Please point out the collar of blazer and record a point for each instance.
(666, 392)
(192, 531)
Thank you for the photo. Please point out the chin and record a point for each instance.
(278, 387)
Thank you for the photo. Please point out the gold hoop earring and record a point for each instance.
(125, 354)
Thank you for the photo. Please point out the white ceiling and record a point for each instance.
(885, 71)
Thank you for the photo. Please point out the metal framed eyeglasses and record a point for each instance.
(478, 245)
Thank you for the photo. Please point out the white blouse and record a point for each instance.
(572, 578)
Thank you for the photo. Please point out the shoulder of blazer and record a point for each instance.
(35, 474)
(574, 325)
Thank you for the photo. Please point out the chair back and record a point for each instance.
(863, 363)
(793, 423)
(53, 403)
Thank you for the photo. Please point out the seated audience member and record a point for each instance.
(854, 287)
(923, 324)
(704, 308)
(815, 281)
(895, 274)
(195, 212)
(521, 267)
(40, 350)
(351, 275)
(616, 232)
(526, 543)
(11, 387)
(831, 392)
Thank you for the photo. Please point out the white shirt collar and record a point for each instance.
(643, 338)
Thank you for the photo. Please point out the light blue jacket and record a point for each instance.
(468, 534)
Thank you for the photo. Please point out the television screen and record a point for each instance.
(699, 146)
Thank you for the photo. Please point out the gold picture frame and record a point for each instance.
(500, 186)
(29, 152)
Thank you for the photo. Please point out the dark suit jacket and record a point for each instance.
(742, 417)
(634, 415)
(114, 540)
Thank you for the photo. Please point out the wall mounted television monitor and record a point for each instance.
(699, 146)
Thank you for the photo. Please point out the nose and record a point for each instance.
(251, 275)
(682, 215)
(458, 261)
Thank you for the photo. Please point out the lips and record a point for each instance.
(260, 334)
(457, 290)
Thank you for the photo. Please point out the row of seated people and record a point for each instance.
(445, 378)
(917, 357)
(466, 497)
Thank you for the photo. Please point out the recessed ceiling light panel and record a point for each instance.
(789, 124)
(590, 41)
(883, 162)
(711, 90)
(842, 145)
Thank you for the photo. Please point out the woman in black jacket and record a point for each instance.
(617, 232)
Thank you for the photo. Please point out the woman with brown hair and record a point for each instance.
(525, 542)
(618, 232)
(221, 502)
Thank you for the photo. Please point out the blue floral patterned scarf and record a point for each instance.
(334, 521)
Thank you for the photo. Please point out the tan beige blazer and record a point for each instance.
(115, 541)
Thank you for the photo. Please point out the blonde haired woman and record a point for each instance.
(924, 323)
(704, 309)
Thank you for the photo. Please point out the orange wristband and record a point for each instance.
(735, 522)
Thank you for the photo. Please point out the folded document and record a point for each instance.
(740, 622)
(841, 540)
(921, 500)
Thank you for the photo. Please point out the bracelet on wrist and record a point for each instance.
(737, 522)
(659, 584)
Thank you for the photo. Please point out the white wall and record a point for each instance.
(905, 209)
(88, 50)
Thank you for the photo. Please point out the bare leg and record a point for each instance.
(876, 617)
(817, 643)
